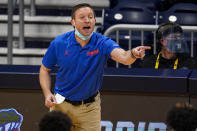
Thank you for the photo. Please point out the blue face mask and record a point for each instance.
(81, 36)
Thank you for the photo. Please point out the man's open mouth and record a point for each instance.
(86, 27)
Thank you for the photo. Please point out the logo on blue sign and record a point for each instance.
(10, 120)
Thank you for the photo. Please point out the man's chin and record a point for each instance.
(86, 34)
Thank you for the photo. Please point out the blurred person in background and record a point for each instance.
(182, 117)
(55, 121)
(81, 56)
(172, 49)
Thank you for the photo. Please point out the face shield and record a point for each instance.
(174, 40)
(176, 43)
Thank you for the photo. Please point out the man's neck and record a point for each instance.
(82, 42)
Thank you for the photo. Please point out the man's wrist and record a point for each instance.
(132, 55)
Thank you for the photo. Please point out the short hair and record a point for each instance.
(182, 117)
(165, 29)
(75, 8)
(55, 121)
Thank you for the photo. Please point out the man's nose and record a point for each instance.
(86, 19)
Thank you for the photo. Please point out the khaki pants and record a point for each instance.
(85, 117)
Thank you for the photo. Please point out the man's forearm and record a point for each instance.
(45, 81)
(122, 56)
(129, 56)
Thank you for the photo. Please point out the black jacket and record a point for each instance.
(184, 62)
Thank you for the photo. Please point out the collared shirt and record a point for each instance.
(80, 71)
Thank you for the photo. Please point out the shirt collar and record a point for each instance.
(89, 45)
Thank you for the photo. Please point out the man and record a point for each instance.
(55, 121)
(81, 56)
(172, 49)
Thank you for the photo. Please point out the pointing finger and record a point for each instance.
(145, 47)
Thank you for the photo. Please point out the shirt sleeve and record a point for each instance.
(109, 45)
(49, 60)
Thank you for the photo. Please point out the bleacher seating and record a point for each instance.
(186, 14)
(129, 12)
(163, 5)
(63, 3)
(51, 18)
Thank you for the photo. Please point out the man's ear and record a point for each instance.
(72, 21)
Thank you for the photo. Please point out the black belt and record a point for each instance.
(77, 103)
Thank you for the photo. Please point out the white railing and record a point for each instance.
(142, 28)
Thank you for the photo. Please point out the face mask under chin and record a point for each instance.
(81, 36)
